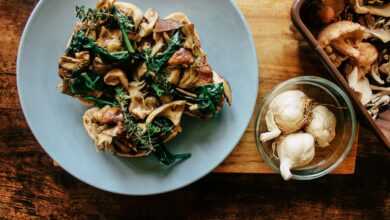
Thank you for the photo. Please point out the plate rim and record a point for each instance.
(253, 50)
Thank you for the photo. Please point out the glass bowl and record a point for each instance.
(324, 92)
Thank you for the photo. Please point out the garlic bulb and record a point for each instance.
(287, 113)
(322, 125)
(294, 150)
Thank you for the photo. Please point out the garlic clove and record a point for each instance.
(322, 126)
(285, 171)
(273, 129)
(290, 110)
(294, 150)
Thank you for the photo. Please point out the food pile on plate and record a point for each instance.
(139, 73)
(356, 36)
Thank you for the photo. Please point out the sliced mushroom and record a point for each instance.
(130, 10)
(172, 111)
(181, 57)
(141, 107)
(173, 76)
(367, 9)
(149, 21)
(101, 134)
(110, 39)
(67, 65)
(360, 85)
(179, 17)
(377, 102)
(385, 69)
(123, 148)
(330, 9)
(375, 74)
(368, 54)
(158, 45)
(100, 67)
(141, 71)
(115, 77)
(105, 4)
(342, 31)
(165, 25)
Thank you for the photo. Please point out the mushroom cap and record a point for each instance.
(132, 10)
(340, 29)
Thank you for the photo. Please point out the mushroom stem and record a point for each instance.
(378, 88)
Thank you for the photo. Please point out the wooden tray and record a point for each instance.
(281, 56)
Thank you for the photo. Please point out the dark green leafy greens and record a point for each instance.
(80, 42)
(151, 139)
(91, 15)
(83, 83)
(209, 97)
(157, 62)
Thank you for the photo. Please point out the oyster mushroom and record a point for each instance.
(342, 31)
(100, 133)
(181, 57)
(360, 85)
(99, 66)
(192, 40)
(141, 107)
(105, 4)
(330, 9)
(385, 69)
(67, 65)
(377, 102)
(115, 77)
(164, 25)
(346, 38)
(173, 75)
(149, 21)
(110, 39)
(360, 8)
(172, 111)
(130, 10)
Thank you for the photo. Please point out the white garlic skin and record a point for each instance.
(295, 150)
(290, 109)
(322, 126)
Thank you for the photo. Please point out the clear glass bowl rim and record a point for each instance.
(316, 81)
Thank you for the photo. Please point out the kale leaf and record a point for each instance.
(209, 97)
(155, 63)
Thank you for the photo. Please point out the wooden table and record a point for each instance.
(32, 188)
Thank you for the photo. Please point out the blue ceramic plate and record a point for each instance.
(55, 119)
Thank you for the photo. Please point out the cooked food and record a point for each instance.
(356, 36)
(139, 74)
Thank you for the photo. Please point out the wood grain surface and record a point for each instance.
(31, 187)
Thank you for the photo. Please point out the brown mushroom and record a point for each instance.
(101, 134)
(130, 10)
(115, 77)
(165, 25)
(110, 39)
(100, 67)
(360, 8)
(181, 57)
(105, 4)
(67, 65)
(147, 24)
(360, 85)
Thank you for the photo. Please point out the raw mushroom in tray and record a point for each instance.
(356, 36)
